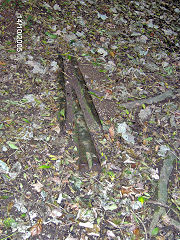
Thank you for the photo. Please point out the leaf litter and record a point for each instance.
(130, 53)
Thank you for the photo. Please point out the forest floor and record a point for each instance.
(128, 53)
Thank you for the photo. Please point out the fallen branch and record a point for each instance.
(152, 100)
(62, 90)
(85, 93)
(88, 156)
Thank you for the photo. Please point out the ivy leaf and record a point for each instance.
(129, 56)
(127, 112)
(111, 175)
(143, 106)
(62, 113)
(25, 120)
(12, 145)
(11, 50)
(69, 57)
(53, 36)
(141, 199)
(44, 166)
(92, 93)
(5, 2)
(155, 231)
(148, 139)
(8, 222)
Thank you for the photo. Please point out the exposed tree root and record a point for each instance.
(164, 205)
(152, 100)
(163, 192)
(171, 222)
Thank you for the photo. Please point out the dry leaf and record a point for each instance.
(136, 233)
(69, 132)
(126, 190)
(107, 137)
(102, 39)
(156, 148)
(56, 129)
(145, 129)
(56, 213)
(109, 91)
(2, 63)
(37, 228)
(37, 186)
(55, 179)
(111, 132)
(8, 120)
(112, 54)
(58, 32)
(9, 206)
(160, 238)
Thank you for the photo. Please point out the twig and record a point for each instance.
(171, 222)
(8, 236)
(162, 205)
(145, 230)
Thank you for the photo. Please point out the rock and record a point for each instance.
(145, 113)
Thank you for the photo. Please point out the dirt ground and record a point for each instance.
(128, 53)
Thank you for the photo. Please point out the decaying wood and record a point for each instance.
(62, 91)
(88, 157)
(85, 92)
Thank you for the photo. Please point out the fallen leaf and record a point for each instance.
(2, 63)
(37, 228)
(86, 224)
(102, 39)
(111, 132)
(58, 32)
(156, 148)
(107, 137)
(152, 34)
(69, 132)
(9, 206)
(37, 186)
(56, 129)
(53, 157)
(56, 213)
(125, 190)
(110, 234)
(12, 145)
(56, 180)
(112, 54)
(145, 129)
(108, 91)
(137, 233)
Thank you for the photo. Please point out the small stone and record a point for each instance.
(145, 113)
